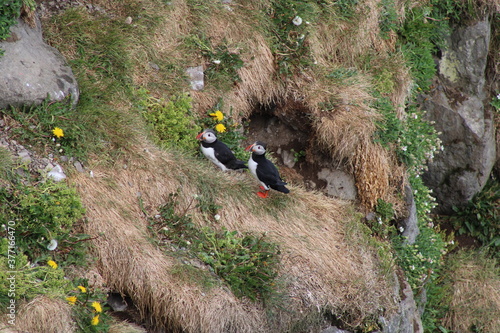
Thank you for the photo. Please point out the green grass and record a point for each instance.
(246, 262)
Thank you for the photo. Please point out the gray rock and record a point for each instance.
(32, 70)
(340, 184)
(458, 109)
(407, 319)
(24, 155)
(196, 77)
(410, 223)
(78, 166)
(57, 173)
(288, 158)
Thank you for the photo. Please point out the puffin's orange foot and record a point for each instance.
(263, 194)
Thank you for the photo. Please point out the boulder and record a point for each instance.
(33, 71)
(460, 109)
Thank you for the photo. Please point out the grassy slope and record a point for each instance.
(322, 267)
(329, 264)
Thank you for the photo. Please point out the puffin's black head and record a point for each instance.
(207, 136)
(257, 147)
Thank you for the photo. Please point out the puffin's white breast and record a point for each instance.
(210, 154)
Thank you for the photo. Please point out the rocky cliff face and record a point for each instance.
(459, 106)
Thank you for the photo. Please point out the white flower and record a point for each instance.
(52, 245)
(498, 96)
(188, 242)
(297, 20)
(404, 148)
(412, 267)
(216, 62)
(217, 217)
(401, 229)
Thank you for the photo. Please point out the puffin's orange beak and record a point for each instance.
(249, 147)
(199, 136)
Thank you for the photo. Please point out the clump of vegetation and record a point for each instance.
(247, 263)
(471, 293)
(172, 121)
(19, 279)
(289, 34)
(41, 218)
(382, 225)
(88, 309)
(480, 218)
(223, 63)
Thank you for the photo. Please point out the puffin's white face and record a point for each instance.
(207, 136)
(258, 149)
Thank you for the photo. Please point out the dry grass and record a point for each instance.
(322, 270)
(475, 294)
(45, 315)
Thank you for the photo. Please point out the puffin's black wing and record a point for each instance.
(226, 156)
(268, 174)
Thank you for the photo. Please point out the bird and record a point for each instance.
(218, 152)
(264, 170)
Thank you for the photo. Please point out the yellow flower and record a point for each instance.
(220, 128)
(82, 289)
(58, 132)
(95, 320)
(71, 300)
(97, 307)
(52, 264)
(217, 115)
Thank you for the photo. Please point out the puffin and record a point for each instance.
(264, 170)
(217, 151)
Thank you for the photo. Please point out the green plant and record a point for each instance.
(389, 17)
(421, 34)
(298, 155)
(228, 130)
(6, 163)
(247, 263)
(98, 48)
(88, 307)
(223, 64)
(347, 8)
(480, 217)
(382, 224)
(172, 120)
(37, 215)
(35, 124)
(29, 280)
(289, 34)
(495, 102)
